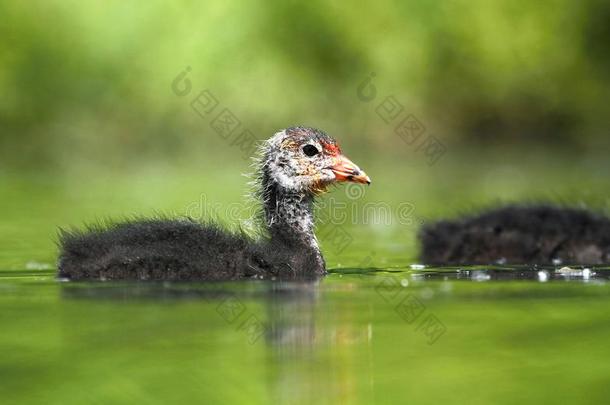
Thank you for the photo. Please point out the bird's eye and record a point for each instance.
(310, 150)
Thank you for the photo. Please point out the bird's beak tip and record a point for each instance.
(346, 170)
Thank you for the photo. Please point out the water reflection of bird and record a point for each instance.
(296, 165)
(313, 342)
(519, 234)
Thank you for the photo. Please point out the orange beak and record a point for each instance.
(346, 170)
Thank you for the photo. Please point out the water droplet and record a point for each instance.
(543, 276)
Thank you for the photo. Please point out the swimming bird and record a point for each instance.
(296, 165)
(519, 234)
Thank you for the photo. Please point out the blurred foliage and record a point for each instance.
(90, 82)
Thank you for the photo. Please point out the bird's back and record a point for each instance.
(154, 249)
(539, 234)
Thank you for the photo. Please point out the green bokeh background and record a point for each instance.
(86, 83)
(92, 127)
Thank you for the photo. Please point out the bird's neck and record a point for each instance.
(289, 218)
(289, 215)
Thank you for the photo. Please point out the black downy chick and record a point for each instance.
(297, 164)
(519, 234)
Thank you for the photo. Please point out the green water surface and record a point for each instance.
(375, 330)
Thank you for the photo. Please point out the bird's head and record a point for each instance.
(304, 159)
